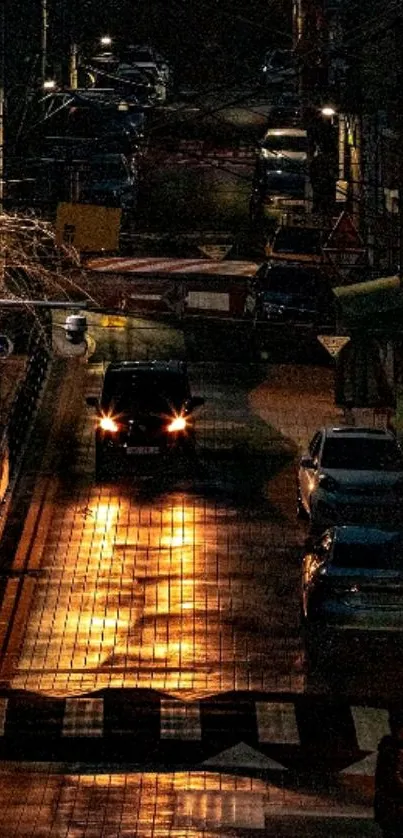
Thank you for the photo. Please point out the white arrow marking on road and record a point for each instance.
(243, 756)
(364, 767)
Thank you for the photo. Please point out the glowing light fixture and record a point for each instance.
(177, 424)
(107, 423)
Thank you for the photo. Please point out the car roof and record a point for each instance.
(349, 534)
(353, 432)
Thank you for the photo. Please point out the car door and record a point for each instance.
(308, 470)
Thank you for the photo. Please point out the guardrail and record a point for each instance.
(24, 404)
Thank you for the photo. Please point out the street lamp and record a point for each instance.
(49, 84)
(106, 41)
(328, 111)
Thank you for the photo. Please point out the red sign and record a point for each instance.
(344, 235)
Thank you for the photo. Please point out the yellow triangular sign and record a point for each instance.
(215, 251)
(333, 343)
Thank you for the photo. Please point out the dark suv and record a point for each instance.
(145, 410)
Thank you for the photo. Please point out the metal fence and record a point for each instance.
(26, 397)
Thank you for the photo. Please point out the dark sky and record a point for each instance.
(227, 34)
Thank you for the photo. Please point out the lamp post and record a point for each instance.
(2, 97)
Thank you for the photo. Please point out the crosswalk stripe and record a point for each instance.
(371, 723)
(276, 722)
(180, 720)
(83, 717)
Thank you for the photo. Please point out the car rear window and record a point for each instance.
(369, 556)
(285, 142)
(142, 391)
(362, 454)
(293, 281)
(297, 240)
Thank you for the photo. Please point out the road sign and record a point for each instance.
(88, 227)
(333, 343)
(344, 235)
(215, 251)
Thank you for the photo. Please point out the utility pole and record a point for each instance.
(73, 74)
(44, 40)
(399, 111)
(2, 100)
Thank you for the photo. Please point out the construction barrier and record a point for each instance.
(183, 287)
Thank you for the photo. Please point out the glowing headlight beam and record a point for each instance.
(177, 424)
(107, 423)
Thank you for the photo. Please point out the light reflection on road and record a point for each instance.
(164, 593)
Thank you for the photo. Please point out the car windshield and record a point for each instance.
(137, 392)
(369, 556)
(292, 281)
(362, 454)
(285, 165)
(285, 142)
(297, 240)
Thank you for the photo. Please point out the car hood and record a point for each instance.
(358, 479)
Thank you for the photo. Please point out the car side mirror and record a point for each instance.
(92, 401)
(307, 462)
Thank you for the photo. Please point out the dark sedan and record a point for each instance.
(293, 294)
(352, 585)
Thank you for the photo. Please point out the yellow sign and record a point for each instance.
(88, 227)
(333, 343)
(215, 251)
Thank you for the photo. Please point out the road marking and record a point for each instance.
(365, 767)
(83, 717)
(371, 724)
(243, 756)
(276, 722)
(236, 809)
(180, 720)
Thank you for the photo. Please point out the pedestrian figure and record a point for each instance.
(388, 801)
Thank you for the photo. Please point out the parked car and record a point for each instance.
(284, 142)
(296, 244)
(351, 475)
(145, 56)
(286, 110)
(352, 586)
(292, 294)
(110, 180)
(278, 65)
(145, 411)
(279, 186)
(142, 84)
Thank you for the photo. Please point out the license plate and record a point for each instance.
(143, 449)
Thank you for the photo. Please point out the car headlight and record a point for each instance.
(108, 423)
(179, 423)
(328, 483)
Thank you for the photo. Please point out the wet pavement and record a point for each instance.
(151, 623)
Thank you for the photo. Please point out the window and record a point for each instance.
(314, 446)
(362, 454)
(369, 556)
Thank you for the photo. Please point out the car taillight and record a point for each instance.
(179, 423)
(108, 423)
